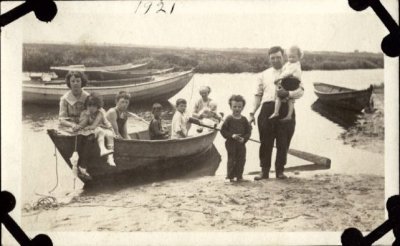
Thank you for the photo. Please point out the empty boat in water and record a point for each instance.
(342, 97)
(160, 88)
(94, 72)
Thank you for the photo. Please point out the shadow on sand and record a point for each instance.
(207, 164)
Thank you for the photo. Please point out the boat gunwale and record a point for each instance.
(132, 72)
(54, 133)
(352, 91)
(112, 87)
(167, 140)
(83, 68)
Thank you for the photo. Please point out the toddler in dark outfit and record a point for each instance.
(236, 130)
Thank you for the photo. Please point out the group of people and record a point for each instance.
(84, 113)
(276, 91)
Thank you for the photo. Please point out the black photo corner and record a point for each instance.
(46, 10)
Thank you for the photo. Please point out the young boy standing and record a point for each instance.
(180, 124)
(236, 130)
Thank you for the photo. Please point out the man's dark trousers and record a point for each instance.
(271, 129)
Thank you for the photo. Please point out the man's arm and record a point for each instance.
(257, 99)
(298, 93)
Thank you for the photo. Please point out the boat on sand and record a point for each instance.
(137, 155)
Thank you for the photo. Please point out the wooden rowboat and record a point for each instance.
(343, 97)
(113, 82)
(136, 155)
(161, 88)
(94, 72)
(109, 75)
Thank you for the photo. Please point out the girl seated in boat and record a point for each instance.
(118, 115)
(156, 131)
(292, 68)
(180, 124)
(93, 119)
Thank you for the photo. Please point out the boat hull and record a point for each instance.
(109, 75)
(94, 72)
(341, 97)
(135, 155)
(162, 88)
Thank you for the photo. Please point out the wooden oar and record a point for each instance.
(138, 117)
(300, 154)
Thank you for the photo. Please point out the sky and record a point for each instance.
(314, 25)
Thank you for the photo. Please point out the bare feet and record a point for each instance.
(274, 115)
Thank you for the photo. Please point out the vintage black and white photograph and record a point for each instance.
(200, 116)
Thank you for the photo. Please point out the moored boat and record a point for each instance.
(161, 88)
(135, 155)
(109, 75)
(94, 72)
(343, 97)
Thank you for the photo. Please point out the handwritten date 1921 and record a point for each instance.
(156, 7)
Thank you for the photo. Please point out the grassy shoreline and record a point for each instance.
(39, 58)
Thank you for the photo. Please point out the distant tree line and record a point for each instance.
(39, 58)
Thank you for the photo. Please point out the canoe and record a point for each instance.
(342, 97)
(113, 82)
(161, 88)
(94, 72)
(136, 155)
(109, 75)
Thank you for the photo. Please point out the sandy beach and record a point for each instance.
(318, 202)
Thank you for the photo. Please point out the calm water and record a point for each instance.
(317, 129)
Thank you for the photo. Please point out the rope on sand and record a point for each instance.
(45, 202)
(56, 185)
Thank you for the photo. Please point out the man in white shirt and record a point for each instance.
(271, 129)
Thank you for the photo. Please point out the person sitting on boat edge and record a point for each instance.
(93, 119)
(236, 130)
(72, 104)
(156, 131)
(180, 124)
(118, 115)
